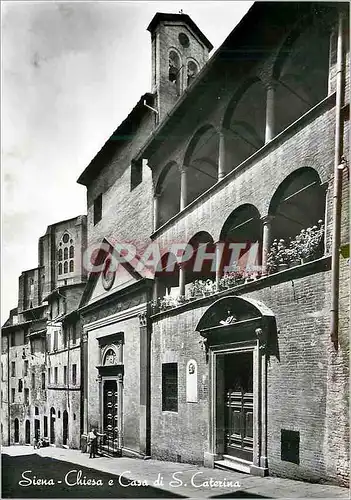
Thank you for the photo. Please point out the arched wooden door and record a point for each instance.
(27, 431)
(16, 425)
(52, 425)
(65, 427)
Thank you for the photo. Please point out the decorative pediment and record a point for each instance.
(109, 276)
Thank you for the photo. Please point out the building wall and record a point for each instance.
(131, 378)
(298, 383)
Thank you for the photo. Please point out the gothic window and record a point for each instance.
(192, 71)
(64, 253)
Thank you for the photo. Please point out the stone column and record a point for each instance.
(219, 253)
(182, 277)
(270, 112)
(183, 188)
(144, 422)
(84, 365)
(156, 210)
(221, 156)
(266, 241)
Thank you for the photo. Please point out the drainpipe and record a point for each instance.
(337, 190)
(8, 391)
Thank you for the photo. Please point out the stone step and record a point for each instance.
(233, 463)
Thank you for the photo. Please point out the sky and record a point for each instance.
(71, 72)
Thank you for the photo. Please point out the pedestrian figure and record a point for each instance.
(37, 440)
(92, 440)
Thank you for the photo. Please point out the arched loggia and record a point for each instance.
(201, 162)
(167, 194)
(244, 123)
(241, 234)
(301, 71)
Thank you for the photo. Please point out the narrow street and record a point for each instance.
(66, 480)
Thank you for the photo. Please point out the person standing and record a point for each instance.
(92, 439)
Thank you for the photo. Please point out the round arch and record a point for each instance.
(244, 122)
(298, 203)
(167, 192)
(197, 267)
(201, 161)
(301, 71)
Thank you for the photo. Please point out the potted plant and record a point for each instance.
(231, 279)
(272, 262)
(311, 242)
(282, 256)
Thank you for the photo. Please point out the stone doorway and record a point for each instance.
(238, 334)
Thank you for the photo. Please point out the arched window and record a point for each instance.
(192, 71)
(65, 267)
(174, 69)
(65, 253)
(59, 254)
(71, 252)
(60, 268)
(71, 266)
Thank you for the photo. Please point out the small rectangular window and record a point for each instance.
(25, 368)
(65, 375)
(56, 375)
(136, 173)
(97, 209)
(43, 380)
(55, 340)
(26, 396)
(13, 395)
(33, 380)
(290, 446)
(74, 334)
(13, 369)
(74, 374)
(49, 375)
(65, 337)
(170, 387)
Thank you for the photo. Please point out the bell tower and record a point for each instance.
(179, 51)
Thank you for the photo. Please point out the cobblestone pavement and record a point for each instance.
(178, 479)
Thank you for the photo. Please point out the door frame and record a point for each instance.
(119, 382)
(259, 464)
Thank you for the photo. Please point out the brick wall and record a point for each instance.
(299, 383)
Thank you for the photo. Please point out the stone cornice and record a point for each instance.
(117, 317)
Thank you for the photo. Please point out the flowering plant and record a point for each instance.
(203, 288)
(231, 279)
